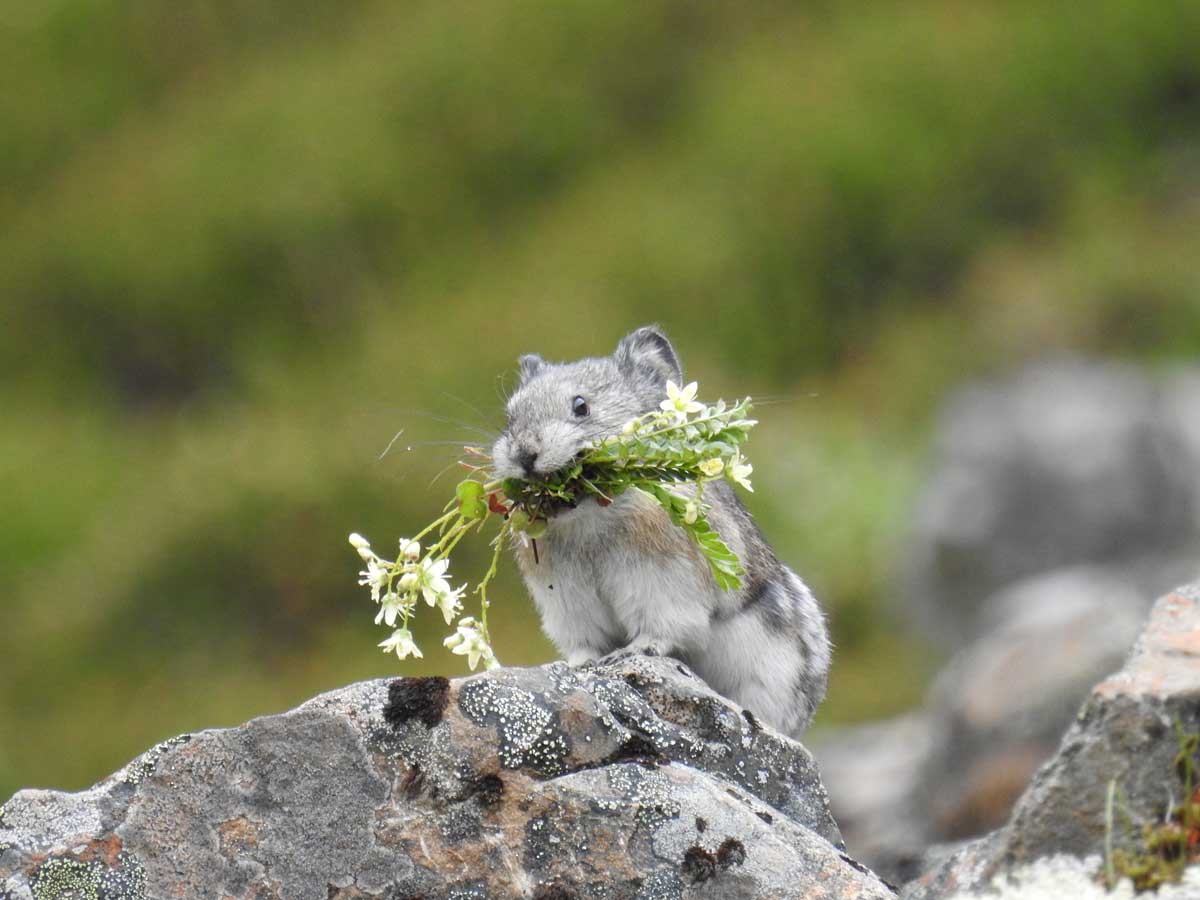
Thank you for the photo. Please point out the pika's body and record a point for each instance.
(623, 577)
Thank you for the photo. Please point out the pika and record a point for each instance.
(624, 578)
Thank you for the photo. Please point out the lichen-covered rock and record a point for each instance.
(1125, 734)
(629, 779)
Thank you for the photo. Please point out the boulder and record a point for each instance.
(1126, 734)
(996, 712)
(629, 779)
(1063, 464)
(1001, 706)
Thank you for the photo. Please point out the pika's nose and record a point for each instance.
(526, 458)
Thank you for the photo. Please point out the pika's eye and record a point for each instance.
(579, 407)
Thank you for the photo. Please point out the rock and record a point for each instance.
(625, 780)
(873, 774)
(1002, 705)
(1059, 877)
(1125, 734)
(1064, 464)
(996, 712)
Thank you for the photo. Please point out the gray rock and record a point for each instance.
(625, 780)
(1061, 877)
(1064, 464)
(873, 773)
(1001, 706)
(996, 712)
(1124, 734)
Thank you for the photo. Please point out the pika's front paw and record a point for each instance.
(582, 657)
(649, 648)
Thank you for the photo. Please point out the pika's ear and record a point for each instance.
(648, 349)
(530, 365)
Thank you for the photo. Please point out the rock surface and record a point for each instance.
(1125, 731)
(995, 714)
(627, 780)
(1067, 878)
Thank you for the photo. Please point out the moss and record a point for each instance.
(423, 699)
(1161, 851)
(555, 891)
(699, 865)
(732, 852)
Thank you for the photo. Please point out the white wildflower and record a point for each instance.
(375, 577)
(468, 641)
(450, 603)
(432, 579)
(712, 467)
(389, 608)
(691, 512)
(409, 581)
(739, 470)
(402, 643)
(681, 402)
(360, 543)
(410, 550)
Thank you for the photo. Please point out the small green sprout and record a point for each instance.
(668, 454)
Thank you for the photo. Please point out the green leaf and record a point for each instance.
(471, 500)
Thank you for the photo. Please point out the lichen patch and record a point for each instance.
(529, 732)
(143, 767)
(71, 878)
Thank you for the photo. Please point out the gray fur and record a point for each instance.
(623, 578)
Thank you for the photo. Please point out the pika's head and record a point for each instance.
(559, 409)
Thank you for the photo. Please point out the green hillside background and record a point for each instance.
(245, 243)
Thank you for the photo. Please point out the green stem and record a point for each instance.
(710, 416)
(454, 534)
(481, 588)
(595, 489)
(435, 523)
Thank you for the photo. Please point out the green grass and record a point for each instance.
(243, 248)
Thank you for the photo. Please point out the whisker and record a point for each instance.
(780, 399)
(450, 443)
(445, 420)
(482, 416)
(442, 471)
(502, 391)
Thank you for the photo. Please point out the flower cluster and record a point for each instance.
(398, 585)
(669, 454)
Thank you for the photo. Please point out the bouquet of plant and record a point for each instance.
(669, 454)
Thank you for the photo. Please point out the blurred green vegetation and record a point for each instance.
(245, 243)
